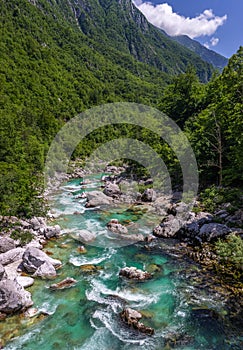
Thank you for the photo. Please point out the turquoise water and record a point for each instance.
(87, 316)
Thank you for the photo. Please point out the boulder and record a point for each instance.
(161, 205)
(112, 190)
(6, 244)
(112, 169)
(212, 231)
(33, 258)
(66, 283)
(116, 227)
(168, 228)
(35, 223)
(134, 273)
(131, 317)
(203, 218)
(12, 270)
(149, 195)
(35, 243)
(86, 236)
(46, 270)
(52, 231)
(13, 297)
(11, 256)
(97, 198)
(25, 281)
(181, 209)
(2, 272)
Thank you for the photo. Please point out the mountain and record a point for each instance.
(210, 56)
(119, 28)
(60, 57)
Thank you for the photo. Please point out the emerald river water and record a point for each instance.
(184, 313)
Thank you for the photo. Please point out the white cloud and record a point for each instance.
(214, 41)
(172, 23)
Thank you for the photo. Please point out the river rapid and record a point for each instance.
(185, 314)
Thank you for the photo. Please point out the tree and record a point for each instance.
(216, 132)
(184, 97)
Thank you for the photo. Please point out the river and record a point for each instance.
(184, 314)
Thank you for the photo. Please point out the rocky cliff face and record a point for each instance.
(119, 25)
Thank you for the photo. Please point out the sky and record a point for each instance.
(217, 24)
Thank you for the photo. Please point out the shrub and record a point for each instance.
(23, 236)
(231, 251)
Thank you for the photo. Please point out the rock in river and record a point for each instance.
(46, 270)
(134, 273)
(86, 236)
(97, 198)
(112, 190)
(131, 317)
(116, 227)
(66, 283)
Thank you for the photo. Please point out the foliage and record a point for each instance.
(216, 132)
(183, 98)
(50, 71)
(213, 197)
(231, 251)
(23, 236)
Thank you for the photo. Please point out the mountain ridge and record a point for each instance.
(210, 56)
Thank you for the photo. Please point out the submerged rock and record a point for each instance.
(86, 236)
(131, 317)
(90, 268)
(66, 283)
(134, 273)
(135, 237)
(13, 297)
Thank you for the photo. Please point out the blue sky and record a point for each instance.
(217, 24)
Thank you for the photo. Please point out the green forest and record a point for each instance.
(51, 70)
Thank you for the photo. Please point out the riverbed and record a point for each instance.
(184, 313)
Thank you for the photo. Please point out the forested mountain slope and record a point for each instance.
(59, 58)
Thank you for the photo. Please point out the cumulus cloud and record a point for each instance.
(174, 24)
